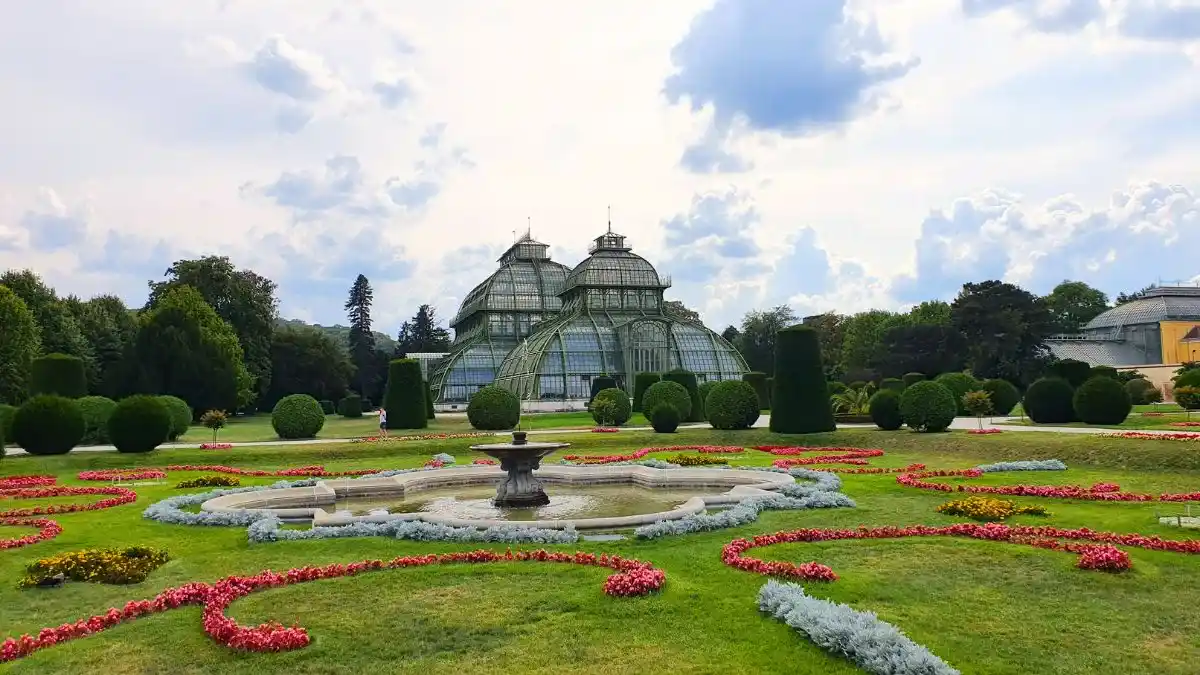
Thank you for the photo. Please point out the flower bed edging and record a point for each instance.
(49, 530)
(14, 482)
(119, 496)
(271, 529)
(1024, 465)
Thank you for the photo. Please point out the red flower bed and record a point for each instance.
(605, 430)
(1185, 424)
(704, 449)
(1143, 436)
(49, 530)
(121, 474)
(434, 464)
(894, 469)
(485, 462)
(119, 496)
(216, 446)
(632, 578)
(1105, 558)
(984, 432)
(608, 459)
(1106, 492)
(1153, 414)
(800, 450)
(420, 437)
(311, 471)
(12, 482)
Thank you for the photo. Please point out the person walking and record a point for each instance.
(383, 422)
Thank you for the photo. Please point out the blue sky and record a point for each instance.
(831, 155)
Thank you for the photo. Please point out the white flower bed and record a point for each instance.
(1026, 465)
(270, 529)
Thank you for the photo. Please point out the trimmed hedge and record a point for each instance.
(893, 384)
(928, 407)
(327, 406)
(800, 400)
(404, 399)
(759, 382)
(48, 425)
(622, 408)
(599, 384)
(688, 379)
(642, 382)
(910, 379)
(1004, 395)
(732, 405)
(1140, 391)
(664, 417)
(181, 415)
(351, 406)
(96, 410)
(140, 423)
(704, 390)
(59, 375)
(670, 393)
(885, 410)
(1102, 400)
(958, 384)
(297, 416)
(494, 408)
(1074, 372)
(1050, 400)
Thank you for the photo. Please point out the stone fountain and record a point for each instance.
(520, 459)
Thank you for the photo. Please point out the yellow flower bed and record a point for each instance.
(696, 460)
(977, 507)
(99, 565)
(210, 481)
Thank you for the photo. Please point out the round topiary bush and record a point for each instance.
(688, 379)
(885, 410)
(404, 399)
(612, 406)
(326, 406)
(48, 425)
(1004, 395)
(181, 415)
(732, 405)
(670, 393)
(298, 416)
(1074, 372)
(1137, 390)
(642, 382)
(958, 384)
(664, 417)
(1050, 400)
(96, 410)
(1104, 371)
(892, 383)
(910, 379)
(494, 408)
(928, 407)
(1102, 400)
(140, 423)
(351, 406)
(58, 374)
(759, 382)
(704, 390)
(800, 400)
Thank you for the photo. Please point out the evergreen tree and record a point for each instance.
(757, 339)
(361, 340)
(58, 327)
(422, 334)
(19, 344)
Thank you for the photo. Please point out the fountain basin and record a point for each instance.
(519, 459)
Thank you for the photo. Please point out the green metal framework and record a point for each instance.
(495, 316)
(613, 323)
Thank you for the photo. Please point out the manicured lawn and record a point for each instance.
(984, 607)
(1137, 409)
(1168, 421)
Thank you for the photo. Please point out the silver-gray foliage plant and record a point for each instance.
(874, 645)
(1024, 465)
(270, 529)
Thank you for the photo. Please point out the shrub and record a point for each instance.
(99, 565)
(300, 416)
(800, 401)
(836, 388)
(1004, 395)
(696, 460)
(58, 374)
(1152, 395)
(892, 383)
(181, 415)
(978, 403)
(351, 406)
(1102, 400)
(978, 507)
(704, 390)
(494, 408)
(429, 396)
(1188, 398)
(910, 379)
(1104, 371)
(1137, 391)
(695, 411)
(367, 405)
(612, 406)
(885, 410)
(641, 383)
(958, 384)
(48, 425)
(7, 412)
(214, 420)
(732, 405)
(670, 393)
(664, 417)
(96, 410)
(139, 423)
(599, 384)
(1074, 372)
(759, 382)
(326, 406)
(928, 407)
(208, 481)
(1050, 401)
(1189, 378)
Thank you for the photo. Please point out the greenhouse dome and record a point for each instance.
(495, 316)
(613, 323)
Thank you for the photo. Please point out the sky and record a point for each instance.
(828, 154)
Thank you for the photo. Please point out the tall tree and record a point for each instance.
(242, 298)
(59, 329)
(1123, 298)
(731, 334)
(1072, 304)
(307, 361)
(19, 344)
(924, 348)
(361, 340)
(863, 335)
(757, 340)
(1005, 329)
(930, 313)
(831, 333)
(676, 308)
(422, 334)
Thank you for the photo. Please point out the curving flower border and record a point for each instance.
(1144, 436)
(14, 482)
(1104, 492)
(121, 474)
(49, 530)
(119, 496)
(631, 578)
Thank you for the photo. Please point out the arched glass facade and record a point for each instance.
(612, 323)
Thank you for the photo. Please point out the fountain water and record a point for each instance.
(520, 459)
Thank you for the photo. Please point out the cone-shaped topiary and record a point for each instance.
(612, 406)
(732, 405)
(800, 400)
(664, 417)
(96, 410)
(1074, 372)
(959, 384)
(404, 399)
(928, 407)
(671, 393)
(688, 379)
(298, 416)
(139, 423)
(181, 415)
(351, 406)
(493, 408)
(599, 384)
(641, 383)
(759, 382)
(1102, 400)
(1050, 400)
(58, 374)
(885, 410)
(910, 379)
(1004, 395)
(48, 425)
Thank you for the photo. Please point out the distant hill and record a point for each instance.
(341, 334)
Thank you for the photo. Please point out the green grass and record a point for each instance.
(1135, 421)
(985, 607)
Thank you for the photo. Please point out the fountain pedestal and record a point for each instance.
(520, 458)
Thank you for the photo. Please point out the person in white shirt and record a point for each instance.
(383, 423)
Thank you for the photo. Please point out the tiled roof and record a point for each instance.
(1182, 307)
(1097, 352)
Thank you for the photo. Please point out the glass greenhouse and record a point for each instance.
(495, 316)
(612, 322)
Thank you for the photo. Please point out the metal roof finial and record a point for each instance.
(610, 219)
